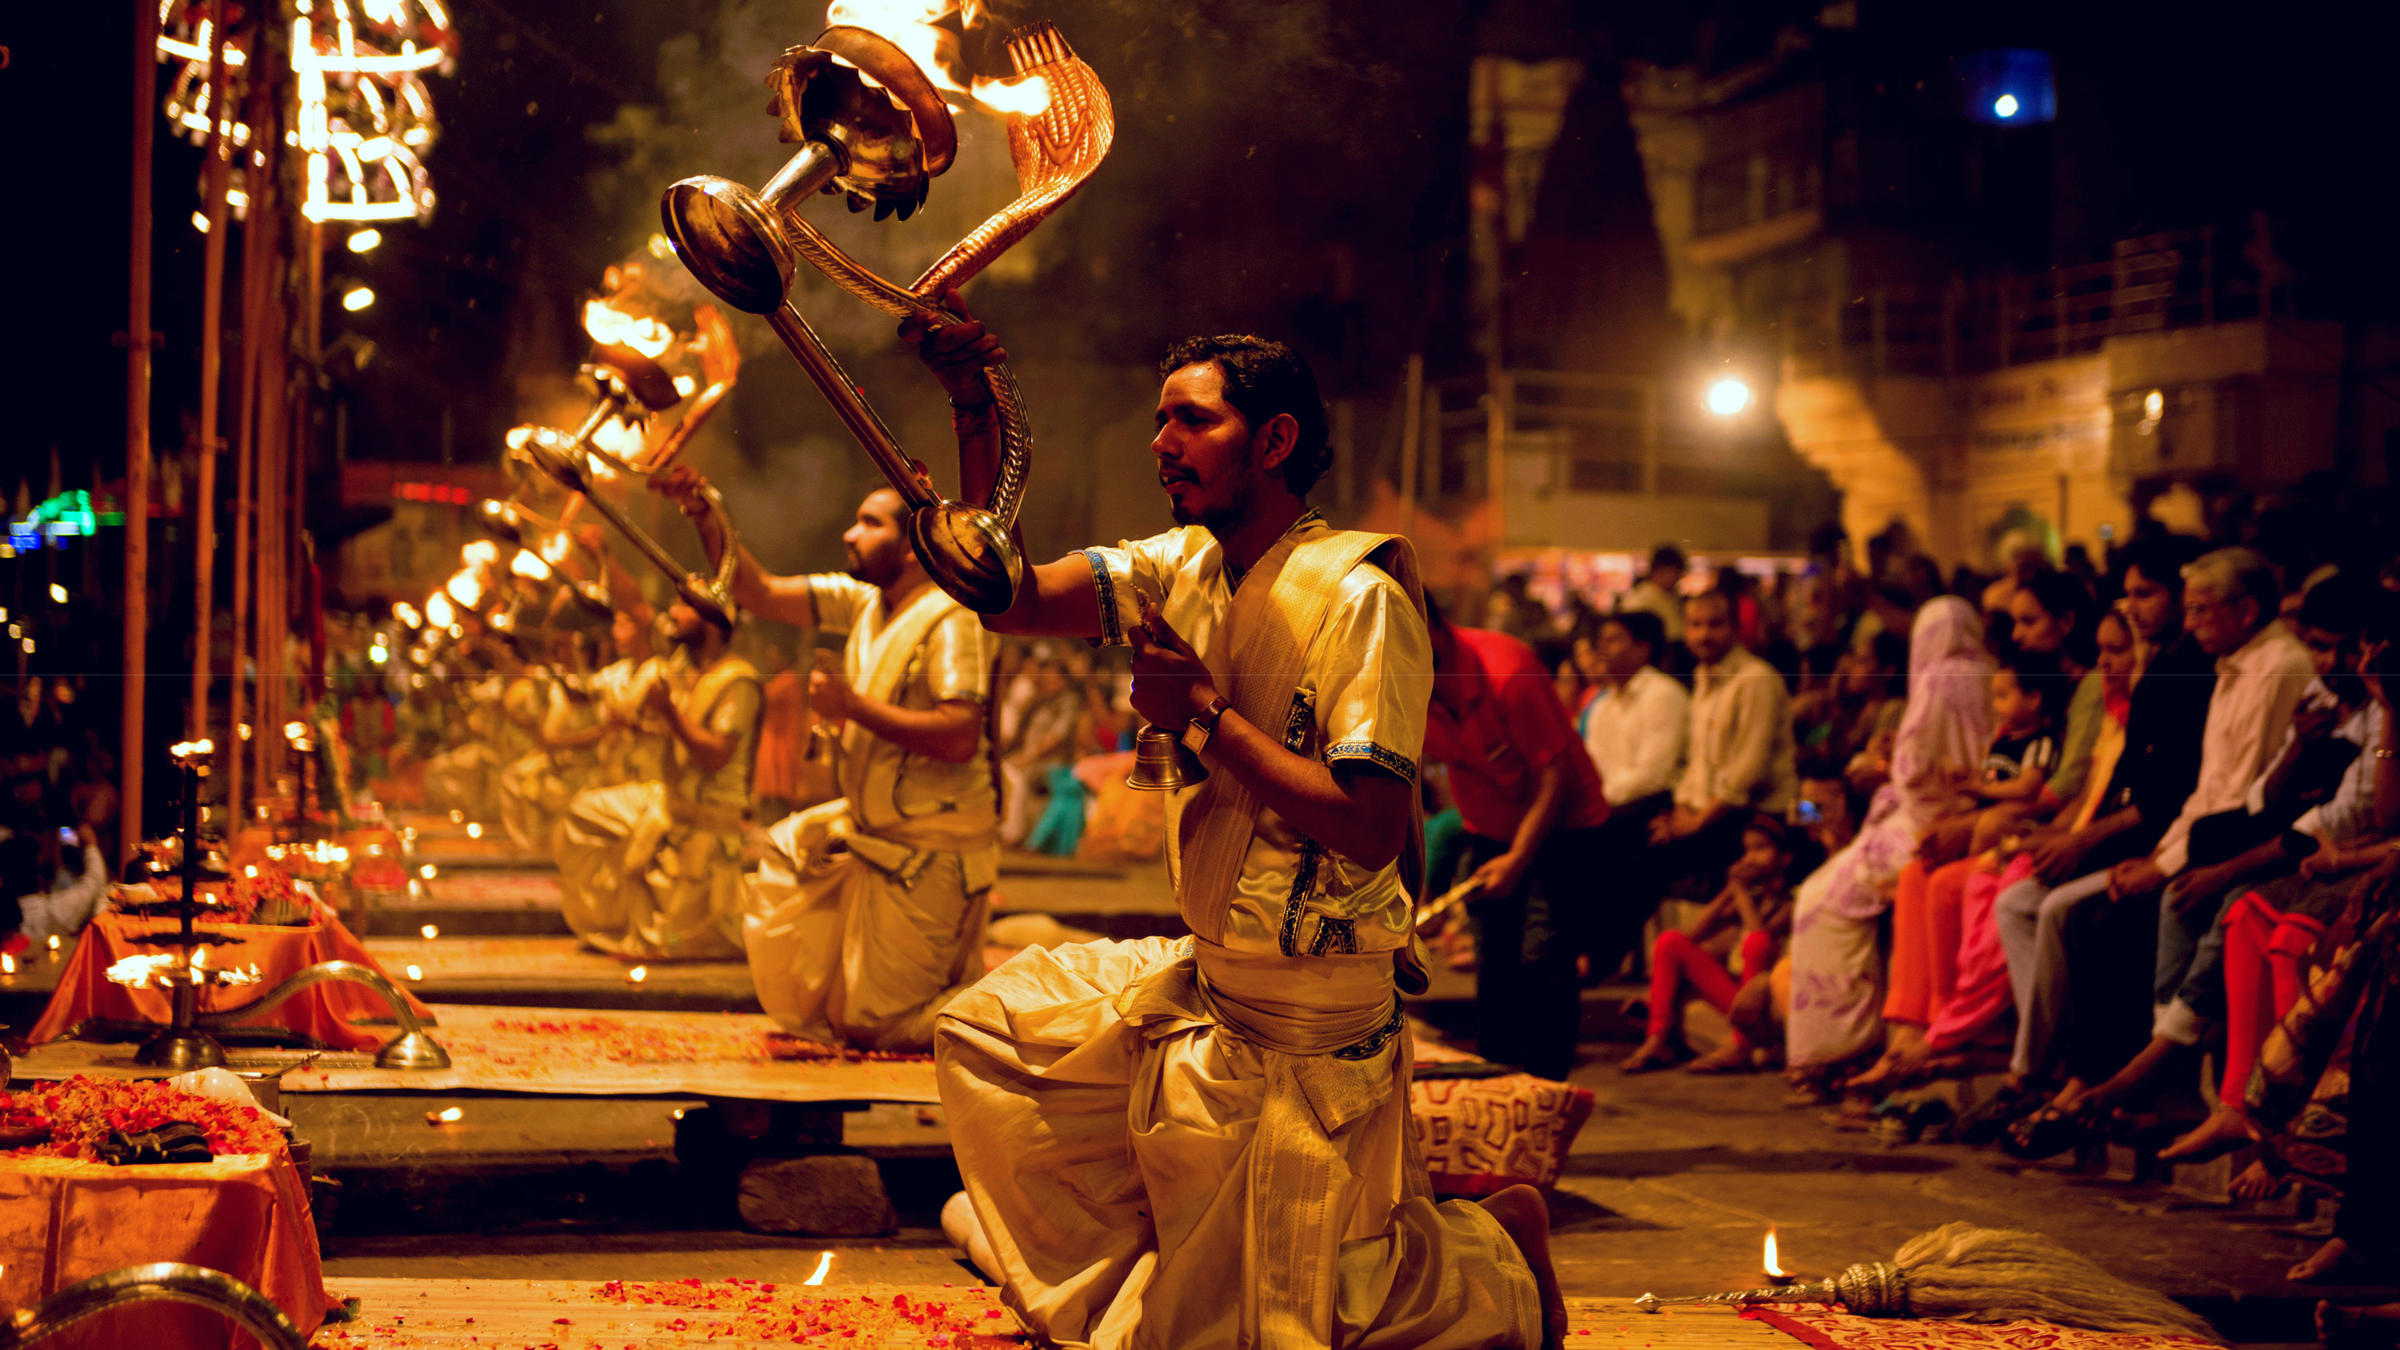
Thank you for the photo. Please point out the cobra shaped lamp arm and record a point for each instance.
(412, 1048)
(171, 1281)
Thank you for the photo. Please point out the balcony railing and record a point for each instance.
(2151, 284)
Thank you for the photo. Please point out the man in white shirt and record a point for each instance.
(78, 877)
(1739, 759)
(2230, 605)
(1637, 728)
(1635, 731)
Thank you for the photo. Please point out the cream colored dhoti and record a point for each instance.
(1150, 1176)
(533, 794)
(461, 779)
(644, 876)
(862, 938)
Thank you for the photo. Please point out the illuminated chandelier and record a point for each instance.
(361, 117)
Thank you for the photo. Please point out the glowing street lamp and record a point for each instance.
(357, 298)
(1728, 397)
(362, 240)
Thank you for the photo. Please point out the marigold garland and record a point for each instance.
(79, 1112)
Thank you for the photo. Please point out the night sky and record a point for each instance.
(1289, 166)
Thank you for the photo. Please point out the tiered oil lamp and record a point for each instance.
(181, 1045)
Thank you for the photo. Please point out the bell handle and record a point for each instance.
(711, 596)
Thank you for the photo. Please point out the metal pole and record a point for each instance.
(137, 433)
(212, 342)
(259, 250)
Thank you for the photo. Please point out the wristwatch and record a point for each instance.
(1198, 732)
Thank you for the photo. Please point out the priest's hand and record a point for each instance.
(829, 695)
(682, 485)
(957, 353)
(1171, 686)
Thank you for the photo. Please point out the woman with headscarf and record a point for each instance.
(1836, 999)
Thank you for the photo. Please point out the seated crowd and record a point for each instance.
(2112, 851)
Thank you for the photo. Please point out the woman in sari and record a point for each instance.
(1836, 1000)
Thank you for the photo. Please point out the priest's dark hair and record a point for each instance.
(1265, 378)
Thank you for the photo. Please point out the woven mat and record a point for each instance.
(1823, 1329)
(749, 1315)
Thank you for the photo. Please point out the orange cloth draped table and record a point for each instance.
(322, 1012)
(62, 1221)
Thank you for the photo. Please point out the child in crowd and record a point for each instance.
(2029, 709)
(1749, 918)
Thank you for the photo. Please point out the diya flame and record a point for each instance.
(917, 28)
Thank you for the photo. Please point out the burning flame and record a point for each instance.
(824, 1264)
(1767, 1262)
(466, 588)
(431, 932)
(620, 438)
(638, 974)
(439, 611)
(1028, 97)
(614, 327)
(138, 972)
(912, 26)
(481, 551)
(450, 1116)
(414, 972)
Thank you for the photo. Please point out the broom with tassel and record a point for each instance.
(1973, 1274)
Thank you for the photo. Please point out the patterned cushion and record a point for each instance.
(1481, 1135)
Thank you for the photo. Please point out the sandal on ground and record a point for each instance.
(1925, 1120)
(2052, 1130)
(1992, 1116)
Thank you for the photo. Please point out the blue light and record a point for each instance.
(2011, 87)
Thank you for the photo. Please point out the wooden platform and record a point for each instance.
(560, 1052)
(747, 1315)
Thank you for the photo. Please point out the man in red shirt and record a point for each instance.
(1530, 800)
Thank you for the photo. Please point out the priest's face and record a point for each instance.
(1208, 453)
(877, 541)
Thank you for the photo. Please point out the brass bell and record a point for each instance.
(1161, 764)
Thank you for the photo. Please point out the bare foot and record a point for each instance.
(1880, 1073)
(2375, 1324)
(1522, 1211)
(1732, 1057)
(2322, 1265)
(2226, 1129)
(2071, 1095)
(1655, 1053)
(2255, 1182)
